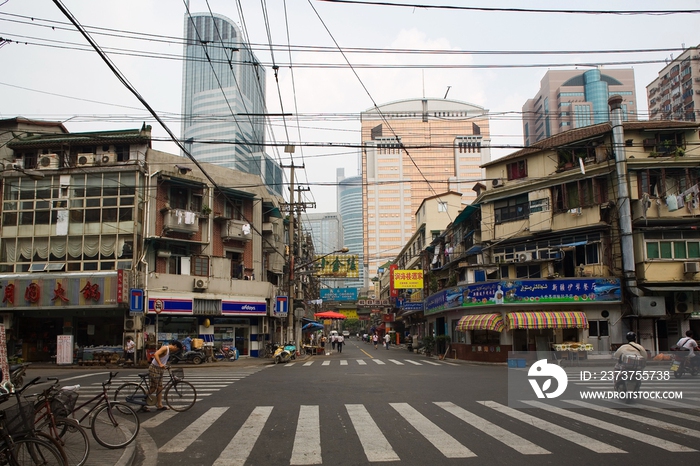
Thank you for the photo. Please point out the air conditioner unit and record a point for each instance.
(83, 160)
(201, 284)
(47, 162)
(132, 323)
(683, 302)
(523, 256)
(108, 158)
(497, 182)
(691, 267)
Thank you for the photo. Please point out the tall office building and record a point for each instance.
(325, 230)
(570, 99)
(675, 94)
(350, 210)
(414, 149)
(223, 99)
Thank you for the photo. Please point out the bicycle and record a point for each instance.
(18, 445)
(113, 424)
(266, 352)
(52, 408)
(179, 394)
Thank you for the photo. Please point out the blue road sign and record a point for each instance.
(136, 302)
(281, 306)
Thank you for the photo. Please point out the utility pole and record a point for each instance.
(292, 207)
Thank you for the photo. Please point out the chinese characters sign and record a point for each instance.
(338, 266)
(507, 292)
(408, 279)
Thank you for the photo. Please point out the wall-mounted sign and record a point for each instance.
(408, 279)
(339, 294)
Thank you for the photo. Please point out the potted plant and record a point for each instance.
(428, 344)
(206, 210)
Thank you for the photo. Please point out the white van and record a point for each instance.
(334, 333)
(346, 333)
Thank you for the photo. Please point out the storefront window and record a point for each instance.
(485, 337)
(457, 336)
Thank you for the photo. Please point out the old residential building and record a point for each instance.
(548, 271)
(94, 224)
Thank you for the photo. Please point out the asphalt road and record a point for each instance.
(368, 406)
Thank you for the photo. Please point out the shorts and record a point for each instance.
(155, 377)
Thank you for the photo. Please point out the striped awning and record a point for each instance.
(481, 322)
(562, 319)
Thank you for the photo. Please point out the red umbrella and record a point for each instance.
(330, 315)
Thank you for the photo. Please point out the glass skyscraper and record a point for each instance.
(223, 99)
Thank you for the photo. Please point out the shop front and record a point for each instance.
(240, 323)
(89, 307)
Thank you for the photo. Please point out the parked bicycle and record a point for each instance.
(113, 424)
(267, 351)
(19, 445)
(52, 408)
(179, 394)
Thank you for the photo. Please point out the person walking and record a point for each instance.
(339, 342)
(375, 340)
(334, 341)
(387, 340)
(129, 349)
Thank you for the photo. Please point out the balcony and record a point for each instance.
(236, 230)
(180, 221)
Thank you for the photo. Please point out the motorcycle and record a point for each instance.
(292, 348)
(195, 356)
(683, 363)
(628, 378)
(281, 354)
(226, 352)
(17, 372)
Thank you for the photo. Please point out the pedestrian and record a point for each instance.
(323, 341)
(334, 341)
(187, 343)
(156, 370)
(129, 350)
(387, 340)
(311, 338)
(339, 342)
(375, 340)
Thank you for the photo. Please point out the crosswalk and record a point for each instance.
(452, 430)
(364, 362)
(206, 383)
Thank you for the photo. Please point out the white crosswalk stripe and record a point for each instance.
(363, 362)
(398, 363)
(377, 445)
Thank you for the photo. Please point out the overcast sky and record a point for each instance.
(51, 74)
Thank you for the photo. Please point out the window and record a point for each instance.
(486, 337)
(442, 206)
(527, 271)
(517, 170)
(200, 266)
(457, 336)
(234, 209)
(672, 245)
(582, 193)
(598, 328)
(514, 208)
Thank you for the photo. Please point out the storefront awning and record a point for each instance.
(481, 322)
(563, 319)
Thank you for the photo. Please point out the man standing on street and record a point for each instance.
(339, 341)
(387, 340)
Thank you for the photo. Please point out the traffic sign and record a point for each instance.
(158, 306)
(136, 302)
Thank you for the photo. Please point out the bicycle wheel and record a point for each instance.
(131, 393)
(72, 439)
(180, 395)
(49, 439)
(114, 425)
(33, 451)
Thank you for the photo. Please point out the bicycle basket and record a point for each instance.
(63, 403)
(178, 374)
(19, 418)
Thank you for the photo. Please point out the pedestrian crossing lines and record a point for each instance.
(206, 382)
(466, 432)
(363, 362)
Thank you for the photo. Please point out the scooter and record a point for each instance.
(682, 364)
(628, 378)
(292, 348)
(17, 372)
(280, 354)
(196, 356)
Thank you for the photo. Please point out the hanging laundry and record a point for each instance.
(246, 229)
(646, 203)
(179, 216)
(672, 203)
(190, 218)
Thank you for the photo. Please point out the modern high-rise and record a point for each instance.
(414, 149)
(350, 210)
(326, 231)
(223, 99)
(675, 94)
(570, 99)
